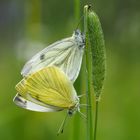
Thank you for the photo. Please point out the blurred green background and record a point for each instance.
(27, 26)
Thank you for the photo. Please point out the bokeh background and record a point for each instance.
(27, 26)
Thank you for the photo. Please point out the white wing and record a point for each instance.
(34, 106)
(66, 54)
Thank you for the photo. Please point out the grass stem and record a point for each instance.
(96, 119)
(77, 122)
(33, 29)
(77, 10)
(89, 79)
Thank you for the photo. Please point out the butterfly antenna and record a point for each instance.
(61, 128)
(89, 6)
(79, 21)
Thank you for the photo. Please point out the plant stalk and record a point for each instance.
(96, 40)
(96, 119)
(89, 78)
(77, 10)
(76, 122)
(33, 18)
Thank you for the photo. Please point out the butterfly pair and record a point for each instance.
(47, 83)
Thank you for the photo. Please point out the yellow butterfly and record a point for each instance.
(46, 90)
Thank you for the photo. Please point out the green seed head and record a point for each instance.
(96, 41)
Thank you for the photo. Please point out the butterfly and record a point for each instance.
(66, 54)
(48, 90)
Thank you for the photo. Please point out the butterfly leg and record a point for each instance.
(82, 114)
(82, 95)
(85, 105)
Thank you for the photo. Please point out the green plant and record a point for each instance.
(95, 63)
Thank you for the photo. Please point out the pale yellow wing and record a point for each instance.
(24, 100)
(50, 86)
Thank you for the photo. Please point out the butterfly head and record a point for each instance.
(73, 109)
(79, 37)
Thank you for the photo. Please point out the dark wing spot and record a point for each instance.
(18, 99)
(37, 97)
(20, 102)
(42, 56)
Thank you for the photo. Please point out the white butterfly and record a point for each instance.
(66, 54)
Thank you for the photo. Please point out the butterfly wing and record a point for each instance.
(66, 54)
(50, 86)
(34, 106)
